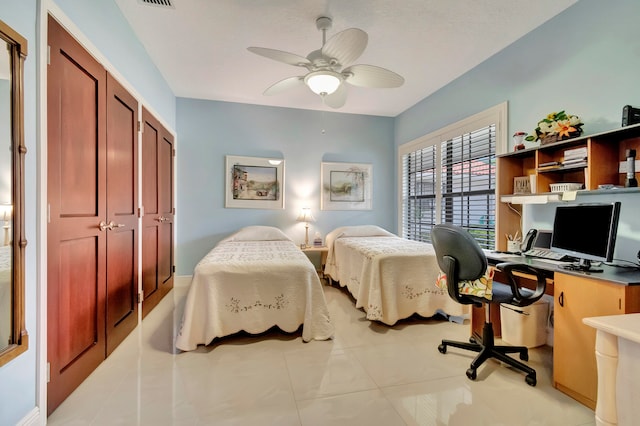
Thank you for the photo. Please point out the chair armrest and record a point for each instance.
(541, 285)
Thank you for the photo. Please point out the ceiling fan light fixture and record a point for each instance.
(323, 82)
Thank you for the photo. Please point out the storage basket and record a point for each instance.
(561, 187)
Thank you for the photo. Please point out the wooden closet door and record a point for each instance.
(76, 270)
(122, 217)
(157, 220)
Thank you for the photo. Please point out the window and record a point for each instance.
(450, 177)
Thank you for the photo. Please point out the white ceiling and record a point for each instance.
(200, 46)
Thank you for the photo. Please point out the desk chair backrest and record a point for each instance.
(459, 256)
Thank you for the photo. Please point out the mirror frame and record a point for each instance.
(18, 50)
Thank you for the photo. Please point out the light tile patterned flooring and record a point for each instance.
(369, 374)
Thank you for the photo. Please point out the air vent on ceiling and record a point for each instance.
(159, 3)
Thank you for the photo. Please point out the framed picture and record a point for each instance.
(521, 185)
(346, 186)
(254, 183)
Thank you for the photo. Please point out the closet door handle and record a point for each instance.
(117, 225)
(561, 299)
(161, 219)
(103, 225)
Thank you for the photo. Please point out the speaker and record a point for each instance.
(630, 115)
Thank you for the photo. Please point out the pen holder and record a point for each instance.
(513, 246)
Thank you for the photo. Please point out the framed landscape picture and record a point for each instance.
(254, 183)
(346, 186)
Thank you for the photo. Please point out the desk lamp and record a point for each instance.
(306, 217)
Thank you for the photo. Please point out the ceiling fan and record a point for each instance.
(327, 67)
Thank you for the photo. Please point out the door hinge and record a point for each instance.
(173, 269)
(173, 152)
(48, 372)
(48, 213)
(141, 211)
(48, 55)
(140, 128)
(140, 296)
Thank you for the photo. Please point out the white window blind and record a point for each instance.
(469, 182)
(450, 177)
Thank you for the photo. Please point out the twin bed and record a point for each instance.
(258, 278)
(390, 278)
(254, 280)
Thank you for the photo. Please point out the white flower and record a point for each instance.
(574, 120)
(546, 127)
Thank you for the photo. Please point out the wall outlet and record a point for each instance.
(623, 166)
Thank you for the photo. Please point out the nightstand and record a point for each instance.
(323, 250)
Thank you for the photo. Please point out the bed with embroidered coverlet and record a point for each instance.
(391, 278)
(253, 280)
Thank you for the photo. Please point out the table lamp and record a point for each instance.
(306, 217)
(6, 209)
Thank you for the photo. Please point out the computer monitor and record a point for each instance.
(587, 232)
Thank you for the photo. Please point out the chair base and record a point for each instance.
(487, 349)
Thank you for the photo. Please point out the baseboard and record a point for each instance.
(32, 419)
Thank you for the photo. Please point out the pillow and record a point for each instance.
(357, 231)
(479, 288)
(258, 233)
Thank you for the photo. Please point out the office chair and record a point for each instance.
(460, 257)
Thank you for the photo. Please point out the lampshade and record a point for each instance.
(323, 82)
(305, 215)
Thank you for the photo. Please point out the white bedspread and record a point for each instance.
(391, 278)
(253, 286)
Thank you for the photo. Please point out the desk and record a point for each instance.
(578, 295)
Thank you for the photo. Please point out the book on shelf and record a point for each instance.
(548, 164)
(574, 161)
(570, 154)
(574, 165)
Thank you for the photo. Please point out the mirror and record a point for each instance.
(13, 335)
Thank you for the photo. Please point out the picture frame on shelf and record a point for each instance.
(346, 186)
(522, 185)
(254, 182)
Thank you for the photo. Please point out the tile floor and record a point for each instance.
(369, 374)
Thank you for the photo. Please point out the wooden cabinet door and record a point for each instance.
(574, 361)
(76, 270)
(122, 214)
(157, 220)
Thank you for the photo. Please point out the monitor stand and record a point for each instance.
(583, 265)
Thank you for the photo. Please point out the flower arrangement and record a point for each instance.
(557, 126)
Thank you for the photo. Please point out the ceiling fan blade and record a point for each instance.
(337, 99)
(372, 76)
(280, 56)
(346, 46)
(284, 85)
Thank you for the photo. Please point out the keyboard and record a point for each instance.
(545, 254)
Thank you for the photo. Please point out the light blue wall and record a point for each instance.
(208, 131)
(102, 22)
(585, 60)
(18, 377)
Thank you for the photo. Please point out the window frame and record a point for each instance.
(496, 115)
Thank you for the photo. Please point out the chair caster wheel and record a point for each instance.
(472, 340)
(471, 373)
(442, 348)
(524, 355)
(530, 379)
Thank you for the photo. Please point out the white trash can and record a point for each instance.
(525, 330)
